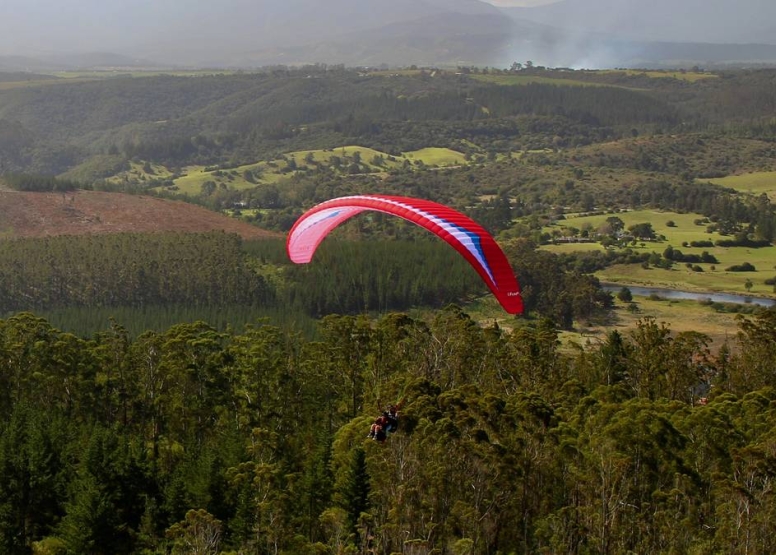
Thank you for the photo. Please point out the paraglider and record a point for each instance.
(465, 235)
(386, 423)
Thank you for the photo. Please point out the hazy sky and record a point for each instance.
(520, 3)
(224, 32)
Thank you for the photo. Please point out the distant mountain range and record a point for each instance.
(672, 21)
(244, 34)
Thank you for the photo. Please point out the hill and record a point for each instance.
(93, 212)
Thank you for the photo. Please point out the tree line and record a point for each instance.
(354, 272)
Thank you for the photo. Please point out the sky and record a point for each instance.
(200, 32)
(520, 3)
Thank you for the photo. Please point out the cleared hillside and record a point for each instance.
(91, 212)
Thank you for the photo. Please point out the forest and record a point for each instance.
(194, 440)
(178, 393)
(249, 279)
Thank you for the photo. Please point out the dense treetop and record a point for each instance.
(255, 439)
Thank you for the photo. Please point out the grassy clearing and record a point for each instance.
(714, 277)
(341, 159)
(59, 77)
(683, 230)
(691, 76)
(112, 74)
(437, 156)
(8, 85)
(679, 315)
(755, 183)
(139, 172)
(346, 155)
(512, 80)
(683, 278)
(403, 72)
(565, 248)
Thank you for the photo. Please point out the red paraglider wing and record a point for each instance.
(462, 233)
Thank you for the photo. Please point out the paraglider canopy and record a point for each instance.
(469, 238)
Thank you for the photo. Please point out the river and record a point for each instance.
(640, 291)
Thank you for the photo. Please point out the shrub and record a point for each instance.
(743, 242)
(745, 267)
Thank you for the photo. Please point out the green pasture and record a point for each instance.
(681, 277)
(565, 248)
(691, 76)
(679, 315)
(7, 85)
(436, 156)
(346, 155)
(113, 73)
(684, 229)
(402, 72)
(714, 277)
(517, 79)
(69, 77)
(137, 172)
(755, 183)
(192, 178)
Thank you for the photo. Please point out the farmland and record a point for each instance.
(686, 228)
(93, 212)
(346, 160)
(512, 80)
(754, 183)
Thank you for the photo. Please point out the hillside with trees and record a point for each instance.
(531, 145)
(171, 383)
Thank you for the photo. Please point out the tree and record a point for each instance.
(354, 494)
(198, 534)
(625, 295)
(106, 500)
(208, 188)
(642, 231)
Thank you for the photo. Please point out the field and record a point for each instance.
(192, 178)
(86, 212)
(530, 79)
(691, 76)
(679, 316)
(714, 277)
(755, 183)
(8, 85)
(113, 73)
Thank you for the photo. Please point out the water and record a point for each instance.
(674, 294)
